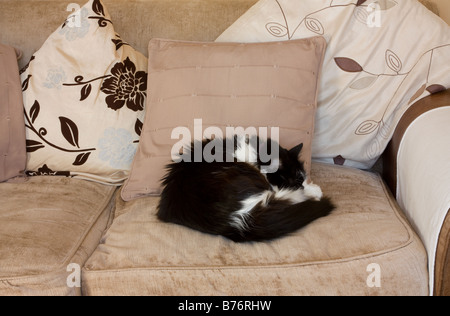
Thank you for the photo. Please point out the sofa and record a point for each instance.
(69, 235)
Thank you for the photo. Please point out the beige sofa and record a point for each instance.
(62, 236)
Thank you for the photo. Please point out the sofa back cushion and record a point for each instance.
(22, 24)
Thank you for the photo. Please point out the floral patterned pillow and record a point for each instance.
(84, 97)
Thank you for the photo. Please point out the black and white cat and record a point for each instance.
(237, 200)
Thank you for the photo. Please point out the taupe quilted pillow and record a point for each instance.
(199, 85)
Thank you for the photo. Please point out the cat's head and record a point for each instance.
(291, 173)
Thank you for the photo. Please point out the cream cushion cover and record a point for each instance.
(379, 61)
(84, 97)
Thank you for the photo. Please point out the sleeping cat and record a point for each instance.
(237, 200)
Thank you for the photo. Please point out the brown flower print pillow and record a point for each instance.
(84, 96)
(126, 87)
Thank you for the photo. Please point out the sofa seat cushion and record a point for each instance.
(46, 224)
(365, 247)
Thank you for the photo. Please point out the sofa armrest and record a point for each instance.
(442, 263)
(422, 106)
(417, 168)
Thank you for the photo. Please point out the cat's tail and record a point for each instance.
(272, 217)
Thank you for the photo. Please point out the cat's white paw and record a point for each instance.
(312, 191)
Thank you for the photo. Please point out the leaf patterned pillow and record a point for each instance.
(84, 97)
(379, 61)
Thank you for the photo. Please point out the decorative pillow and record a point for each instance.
(12, 140)
(84, 96)
(382, 56)
(201, 90)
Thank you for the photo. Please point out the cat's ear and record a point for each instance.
(296, 150)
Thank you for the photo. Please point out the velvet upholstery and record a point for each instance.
(46, 224)
(141, 256)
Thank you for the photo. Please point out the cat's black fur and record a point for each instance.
(207, 196)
